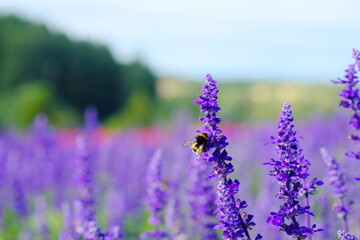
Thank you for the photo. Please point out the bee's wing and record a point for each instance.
(200, 151)
(189, 143)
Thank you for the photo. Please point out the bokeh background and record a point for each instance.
(122, 74)
(135, 61)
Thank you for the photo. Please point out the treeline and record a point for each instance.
(45, 71)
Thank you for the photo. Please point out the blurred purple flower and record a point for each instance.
(85, 205)
(174, 218)
(91, 122)
(92, 232)
(68, 232)
(156, 198)
(42, 132)
(41, 218)
(345, 235)
(291, 171)
(20, 199)
(234, 224)
(336, 178)
(115, 208)
(113, 234)
(202, 197)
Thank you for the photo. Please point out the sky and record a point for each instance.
(286, 40)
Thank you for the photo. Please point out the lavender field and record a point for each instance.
(179, 120)
(270, 180)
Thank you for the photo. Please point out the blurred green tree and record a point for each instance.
(80, 73)
(138, 77)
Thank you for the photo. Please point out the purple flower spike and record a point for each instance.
(93, 232)
(356, 56)
(234, 224)
(156, 199)
(291, 171)
(91, 122)
(85, 205)
(345, 235)
(202, 197)
(68, 232)
(335, 174)
(351, 100)
(336, 178)
(113, 234)
(174, 218)
(40, 213)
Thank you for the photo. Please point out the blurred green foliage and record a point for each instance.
(259, 101)
(70, 75)
(45, 71)
(256, 101)
(141, 98)
(11, 225)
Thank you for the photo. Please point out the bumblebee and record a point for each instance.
(198, 143)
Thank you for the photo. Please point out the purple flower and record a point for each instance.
(155, 234)
(201, 197)
(113, 234)
(336, 178)
(92, 232)
(291, 171)
(40, 214)
(351, 100)
(68, 232)
(232, 220)
(43, 133)
(156, 197)
(345, 235)
(115, 208)
(20, 199)
(91, 122)
(356, 56)
(85, 205)
(174, 218)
